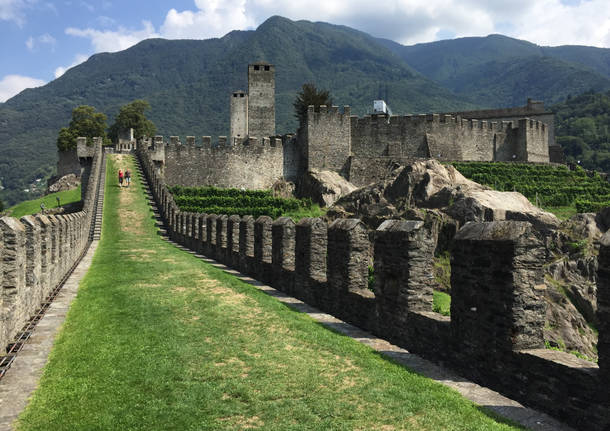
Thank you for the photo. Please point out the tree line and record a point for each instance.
(88, 122)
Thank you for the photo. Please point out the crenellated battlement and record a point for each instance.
(375, 138)
(412, 121)
(361, 149)
(224, 162)
(488, 337)
(38, 251)
(220, 144)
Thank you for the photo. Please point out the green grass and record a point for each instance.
(442, 271)
(50, 201)
(442, 303)
(562, 212)
(313, 211)
(160, 340)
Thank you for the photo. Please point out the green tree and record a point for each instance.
(310, 95)
(87, 122)
(132, 116)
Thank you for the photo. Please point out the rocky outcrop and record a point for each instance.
(431, 185)
(324, 187)
(445, 200)
(67, 182)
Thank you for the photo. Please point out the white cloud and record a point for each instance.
(44, 39)
(11, 85)
(212, 18)
(546, 22)
(12, 10)
(404, 21)
(112, 41)
(15, 10)
(78, 59)
(553, 23)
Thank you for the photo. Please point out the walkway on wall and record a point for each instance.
(21, 379)
(211, 352)
(480, 395)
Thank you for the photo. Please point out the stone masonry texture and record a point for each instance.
(494, 333)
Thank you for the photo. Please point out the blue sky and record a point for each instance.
(40, 39)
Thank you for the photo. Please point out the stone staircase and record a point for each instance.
(96, 226)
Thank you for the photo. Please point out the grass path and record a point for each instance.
(159, 340)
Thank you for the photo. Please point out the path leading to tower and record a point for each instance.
(158, 339)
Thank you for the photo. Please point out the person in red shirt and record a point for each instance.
(120, 178)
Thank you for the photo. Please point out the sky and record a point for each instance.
(41, 39)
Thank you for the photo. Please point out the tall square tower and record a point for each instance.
(239, 114)
(261, 100)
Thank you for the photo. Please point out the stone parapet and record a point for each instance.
(494, 333)
(37, 252)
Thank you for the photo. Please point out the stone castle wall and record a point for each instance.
(494, 333)
(67, 163)
(252, 164)
(533, 109)
(348, 144)
(363, 150)
(327, 139)
(38, 251)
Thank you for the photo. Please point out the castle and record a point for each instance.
(361, 149)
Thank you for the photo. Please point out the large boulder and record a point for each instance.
(432, 185)
(324, 187)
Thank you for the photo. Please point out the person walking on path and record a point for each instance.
(120, 178)
(127, 177)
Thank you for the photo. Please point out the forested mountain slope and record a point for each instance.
(188, 82)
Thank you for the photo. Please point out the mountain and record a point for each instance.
(501, 71)
(188, 83)
(582, 128)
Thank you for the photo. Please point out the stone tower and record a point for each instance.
(261, 100)
(239, 115)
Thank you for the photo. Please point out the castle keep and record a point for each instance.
(253, 114)
(361, 149)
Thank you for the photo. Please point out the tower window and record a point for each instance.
(235, 95)
(266, 67)
(241, 95)
(256, 67)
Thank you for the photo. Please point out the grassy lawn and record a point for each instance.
(159, 340)
(50, 201)
(313, 211)
(562, 213)
(442, 303)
